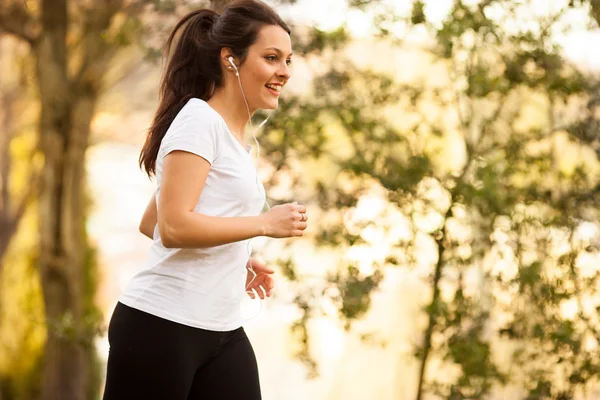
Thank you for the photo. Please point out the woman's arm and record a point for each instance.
(149, 219)
(184, 175)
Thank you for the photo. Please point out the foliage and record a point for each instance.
(510, 213)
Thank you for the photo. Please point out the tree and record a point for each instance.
(72, 46)
(499, 202)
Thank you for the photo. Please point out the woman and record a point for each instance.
(176, 332)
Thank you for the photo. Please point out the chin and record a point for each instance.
(270, 105)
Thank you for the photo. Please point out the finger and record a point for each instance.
(297, 232)
(300, 208)
(267, 291)
(261, 292)
(301, 225)
(253, 262)
(259, 267)
(269, 283)
(256, 283)
(251, 294)
(303, 217)
(265, 287)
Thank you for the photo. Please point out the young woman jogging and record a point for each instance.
(176, 332)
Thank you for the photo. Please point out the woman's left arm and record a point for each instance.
(149, 219)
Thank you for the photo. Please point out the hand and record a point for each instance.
(285, 220)
(263, 281)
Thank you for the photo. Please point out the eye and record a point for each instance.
(288, 61)
(271, 58)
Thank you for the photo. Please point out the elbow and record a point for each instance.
(147, 230)
(168, 236)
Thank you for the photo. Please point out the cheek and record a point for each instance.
(255, 78)
(255, 82)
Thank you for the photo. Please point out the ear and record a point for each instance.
(225, 54)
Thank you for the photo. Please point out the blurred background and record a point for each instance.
(448, 152)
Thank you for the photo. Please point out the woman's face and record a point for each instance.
(266, 68)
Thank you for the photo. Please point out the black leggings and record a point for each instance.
(153, 358)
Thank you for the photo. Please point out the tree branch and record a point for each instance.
(595, 10)
(14, 19)
(97, 51)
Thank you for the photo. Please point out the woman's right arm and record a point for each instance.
(183, 177)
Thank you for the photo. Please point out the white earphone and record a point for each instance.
(263, 195)
(230, 59)
(237, 73)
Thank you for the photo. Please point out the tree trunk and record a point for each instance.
(67, 105)
(63, 140)
(430, 326)
(62, 251)
(62, 234)
(432, 309)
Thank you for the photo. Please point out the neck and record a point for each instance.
(229, 103)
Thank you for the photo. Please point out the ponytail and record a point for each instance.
(193, 71)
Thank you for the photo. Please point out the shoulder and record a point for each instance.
(197, 129)
(198, 111)
(197, 118)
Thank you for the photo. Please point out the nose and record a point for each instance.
(284, 71)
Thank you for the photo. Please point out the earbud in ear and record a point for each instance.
(230, 59)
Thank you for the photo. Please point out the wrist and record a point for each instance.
(262, 226)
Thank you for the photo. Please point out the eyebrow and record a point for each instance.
(278, 51)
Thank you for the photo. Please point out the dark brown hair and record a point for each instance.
(194, 67)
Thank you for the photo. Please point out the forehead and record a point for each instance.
(273, 36)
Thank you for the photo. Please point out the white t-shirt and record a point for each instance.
(202, 287)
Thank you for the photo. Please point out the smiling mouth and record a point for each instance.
(274, 89)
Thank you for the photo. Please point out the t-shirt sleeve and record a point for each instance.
(195, 132)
